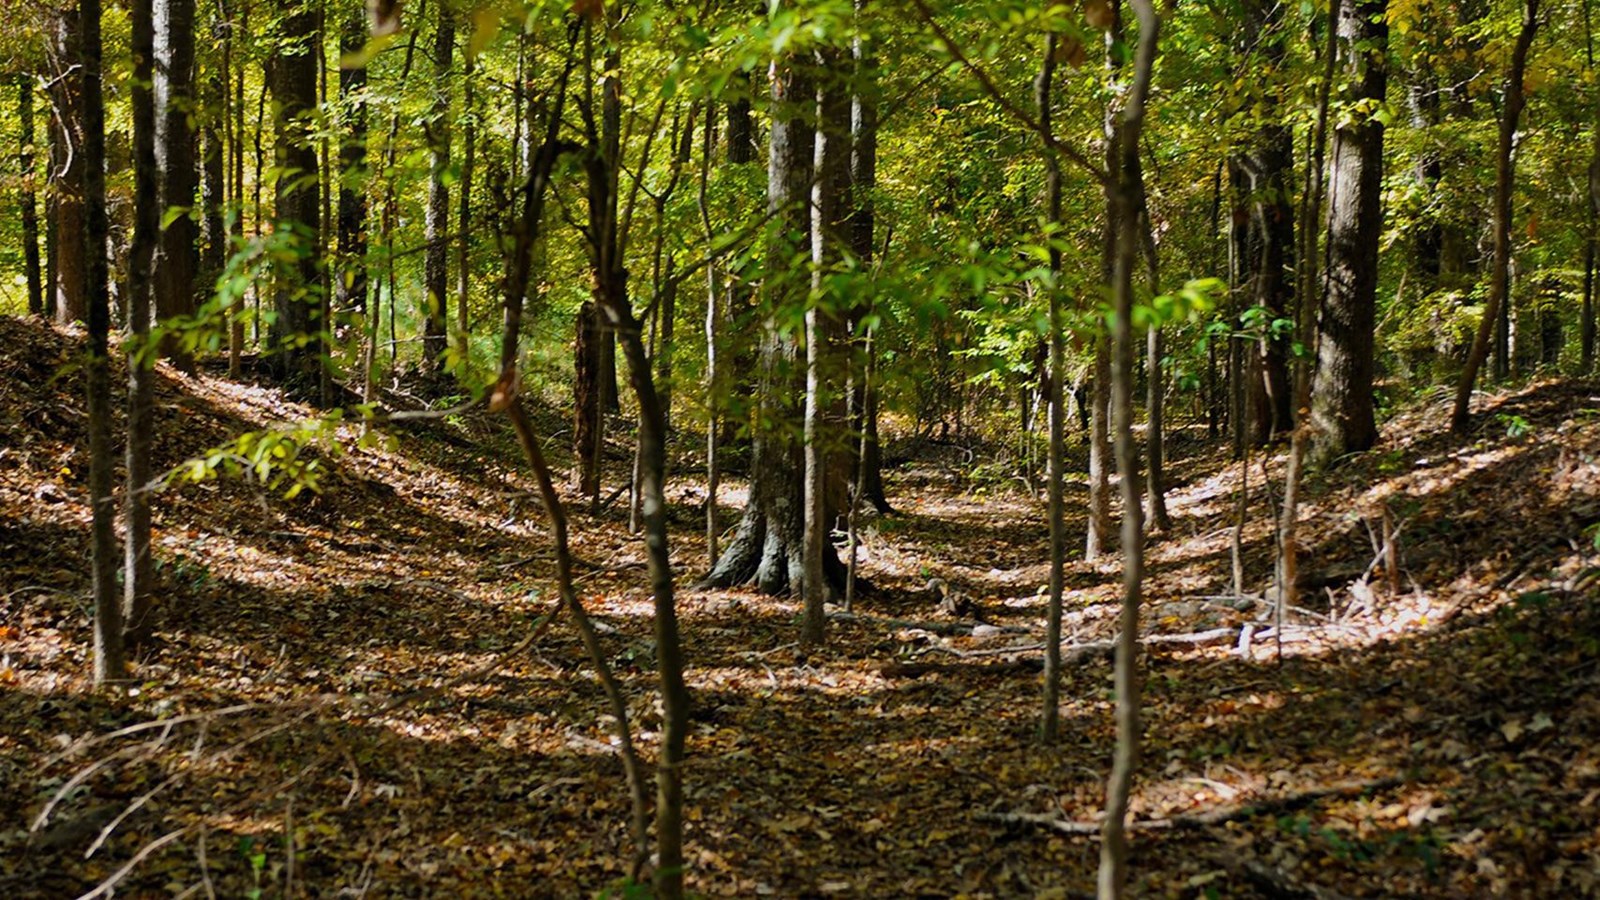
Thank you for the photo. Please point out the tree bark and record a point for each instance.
(1155, 380)
(1112, 877)
(352, 239)
(767, 549)
(67, 214)
(436, 259)
(1504, 184)
(824, 420)
(863, 225)
(469, 137)
(1288, 568)
(28, 197)
(297, 330)
(213, 190)
(1341, 412)
(141, 388)
(109, 660)
(177, 255)
(1050, 719)
(586, 400)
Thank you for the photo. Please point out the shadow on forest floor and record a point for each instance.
(1469, 695)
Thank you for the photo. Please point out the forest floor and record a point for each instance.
(334, 668)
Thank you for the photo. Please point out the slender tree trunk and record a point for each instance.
(1307, 295)
(1591, 247)
(1155, 382)
(1341, 411)
(28, 198)
(586, 400)
(715, 391)
(297, 329)
(352, 240)
(213, 199)
(1505, 178)
(1050, 721)
(436, 259)
(67, 220)
(1113, 844)
(141, 388)
(109, 663)
(469, 137)
(863, 225)
(830, 210)
(177, 256)
(235, 223)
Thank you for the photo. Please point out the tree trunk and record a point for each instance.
(1113, 845)
(469, 137)
(824, 420)
(1504, 183)
(67, 222)
(863, 225)
(177, 255)
(1097, 539)
(1305, 326)
(141, 388)
(586, 400)
(1341, 411)
(352, 240)
(213, 197)
(297, 329)
(1050, 719)
(436, 259)
(29, 199)
(90, 139)
(1155, 381)
(235, 223)
(767, 549)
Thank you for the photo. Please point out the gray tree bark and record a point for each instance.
(1341, 410)
(109, 659)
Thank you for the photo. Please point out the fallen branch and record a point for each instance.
(946, 629)
(1219, 816)
(1073, 654)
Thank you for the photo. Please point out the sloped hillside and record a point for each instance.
(330, 708)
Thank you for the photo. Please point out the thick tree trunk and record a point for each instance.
(177, 255)
(1341, 411)
(297, 329)
(436, 259)
(67, 222)
(141, 389)
(90, 128)
(767, 550)
(28, 197)
(1505, 179)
